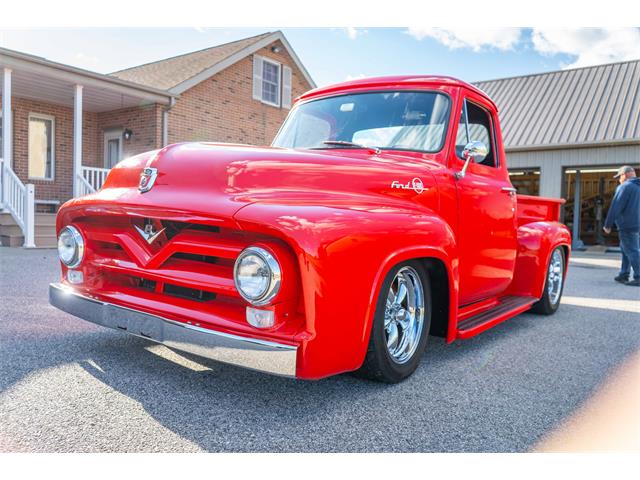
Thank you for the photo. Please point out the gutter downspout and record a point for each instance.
(165, 122)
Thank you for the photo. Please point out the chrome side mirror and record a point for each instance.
(474, 150)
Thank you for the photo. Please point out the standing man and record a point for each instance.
(625, 213)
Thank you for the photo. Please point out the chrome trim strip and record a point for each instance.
(261, 355)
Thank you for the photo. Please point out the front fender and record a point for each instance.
(343, 255)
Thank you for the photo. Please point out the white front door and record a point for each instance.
(112, 148)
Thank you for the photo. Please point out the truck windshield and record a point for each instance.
(393, 120)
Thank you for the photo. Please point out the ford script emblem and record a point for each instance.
(416, 185)
(147, 179)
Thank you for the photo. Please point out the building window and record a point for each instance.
(41, 147)
(526, 181)
(270, 82)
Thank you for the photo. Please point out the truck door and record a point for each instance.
(486, 210)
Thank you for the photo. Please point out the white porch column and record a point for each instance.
(77, 139)
(29, 216)
(7, 134)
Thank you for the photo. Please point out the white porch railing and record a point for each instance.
(84, 187)
(19, 200)
(92, 179)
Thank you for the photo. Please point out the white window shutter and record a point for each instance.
(257, 77)
(286, 87)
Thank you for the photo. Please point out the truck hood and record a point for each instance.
(222, 178)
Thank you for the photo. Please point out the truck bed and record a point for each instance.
(538, 209)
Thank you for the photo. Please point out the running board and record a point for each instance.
(508, 307)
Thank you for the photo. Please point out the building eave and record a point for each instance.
(573, 146)
(22, 61)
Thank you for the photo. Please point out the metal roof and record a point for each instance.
(577, 107)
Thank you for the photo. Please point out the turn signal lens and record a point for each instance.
(75, 276)
(260, 318)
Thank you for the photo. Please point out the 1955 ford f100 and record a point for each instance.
(382, 213)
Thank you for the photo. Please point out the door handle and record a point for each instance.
(510, 190)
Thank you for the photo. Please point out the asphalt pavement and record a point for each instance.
(70, 386)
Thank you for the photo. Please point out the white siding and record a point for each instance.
(552, 162)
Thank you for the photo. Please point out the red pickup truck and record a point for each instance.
(382, 213)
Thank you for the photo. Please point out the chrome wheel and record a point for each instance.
(404, 315)
(555, 277)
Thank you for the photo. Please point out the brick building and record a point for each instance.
(237, 92)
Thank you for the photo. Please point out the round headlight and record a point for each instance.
(257, 275)
(70, 246)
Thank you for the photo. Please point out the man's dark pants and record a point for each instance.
(630, 247)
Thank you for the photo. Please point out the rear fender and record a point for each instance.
(536, 241)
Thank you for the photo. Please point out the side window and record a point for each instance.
(475, 125)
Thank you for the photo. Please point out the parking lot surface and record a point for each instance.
(68, 385)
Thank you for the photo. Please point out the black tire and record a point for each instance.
(378, 364)
(545, 306)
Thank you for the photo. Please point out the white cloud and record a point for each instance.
(355, 77)
(589, 46)
(353, 32)
(475, 39)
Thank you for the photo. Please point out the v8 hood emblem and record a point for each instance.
(148, 233)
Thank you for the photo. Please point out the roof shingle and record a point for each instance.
(168, 73)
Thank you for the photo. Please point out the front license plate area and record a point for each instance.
(134, 323)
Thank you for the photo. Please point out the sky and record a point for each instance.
(333, 55)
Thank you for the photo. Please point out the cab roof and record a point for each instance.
(389, 81)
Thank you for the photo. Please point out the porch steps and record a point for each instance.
(45, 231)
(45, 219)
(8, 235)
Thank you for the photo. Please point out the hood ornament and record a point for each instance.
(148, 233)
(147, 179)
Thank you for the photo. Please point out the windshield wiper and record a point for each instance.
(343, 143)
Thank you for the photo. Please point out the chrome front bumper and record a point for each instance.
(246, 352)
